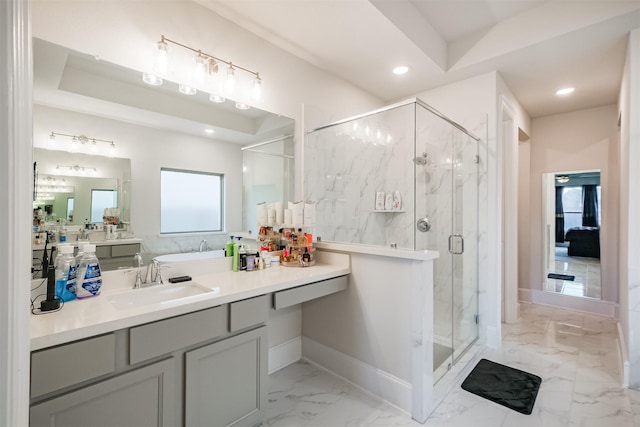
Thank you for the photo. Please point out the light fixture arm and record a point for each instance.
(164, 39)
(82, 138)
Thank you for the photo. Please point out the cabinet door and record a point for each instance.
(226, 381)
(144, 397)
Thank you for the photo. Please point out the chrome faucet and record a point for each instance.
(203, 246)
(137, 263)
(153, 276)
(83, 235)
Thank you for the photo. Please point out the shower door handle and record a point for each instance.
(456, 244)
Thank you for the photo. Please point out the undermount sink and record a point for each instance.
(159, 294)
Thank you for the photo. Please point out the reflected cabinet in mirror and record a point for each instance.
(572, 216)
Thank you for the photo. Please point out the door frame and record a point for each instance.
(508, 140)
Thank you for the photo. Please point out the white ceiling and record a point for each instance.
(537, 46)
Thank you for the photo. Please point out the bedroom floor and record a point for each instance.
(576, 355)
(586, 272)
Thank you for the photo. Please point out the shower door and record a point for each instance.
(446, 171)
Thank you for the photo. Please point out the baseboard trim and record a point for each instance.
(283, 355)
(383, 385)
(624, 355)
(585, 305)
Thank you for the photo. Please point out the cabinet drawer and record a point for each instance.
(248, 312)
(103, 251)
(125, 250)
(165, 336)
(65, 365)
(304, 293)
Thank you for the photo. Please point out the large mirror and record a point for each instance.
(69, 185)
(572, 218)
(153, 127)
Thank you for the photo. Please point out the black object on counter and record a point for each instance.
(52, 302)
(179, 279)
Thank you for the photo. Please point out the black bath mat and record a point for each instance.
(561, 276)
(503, 385)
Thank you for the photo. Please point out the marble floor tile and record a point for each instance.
(575, 354)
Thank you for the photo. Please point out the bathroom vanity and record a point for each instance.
(195, 360)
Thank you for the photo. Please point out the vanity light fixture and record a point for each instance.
(565, 91)
(562, 179)
(76, 169)
(83, 140)
(205, 66)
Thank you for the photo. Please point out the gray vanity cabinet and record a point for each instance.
(142, 397)
(225, 382)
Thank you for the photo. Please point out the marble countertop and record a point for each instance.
(81, 319)
(93, 242)
(424, 255)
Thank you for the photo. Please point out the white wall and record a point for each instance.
(629, 245)
(580, 140)
(524, 225)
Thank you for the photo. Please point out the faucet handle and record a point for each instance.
(137, 260)
(157, 266)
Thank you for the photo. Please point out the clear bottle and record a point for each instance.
(65, 266)
(89, 278)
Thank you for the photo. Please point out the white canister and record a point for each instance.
(379, 200)
(388, 202)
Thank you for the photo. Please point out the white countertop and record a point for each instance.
(94, 316)
(425, 255)
(93, 242)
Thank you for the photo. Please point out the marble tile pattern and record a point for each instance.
(587, 282)
(345, 165)
(575, 354)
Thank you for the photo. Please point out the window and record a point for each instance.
(100, 200)
(70, 201)
(190, 201)
(572, 204)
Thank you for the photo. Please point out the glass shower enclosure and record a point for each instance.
(412, 151)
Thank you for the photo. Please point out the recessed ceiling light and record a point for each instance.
(401, 69)
(209, 130)
(565, 91)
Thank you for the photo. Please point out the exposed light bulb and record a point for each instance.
(187, 90)
(161, 57)
(200, 70)
(231, 79)
(151, 79)
(257, 88)
(216, 98)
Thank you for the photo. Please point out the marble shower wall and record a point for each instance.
(346, 164)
